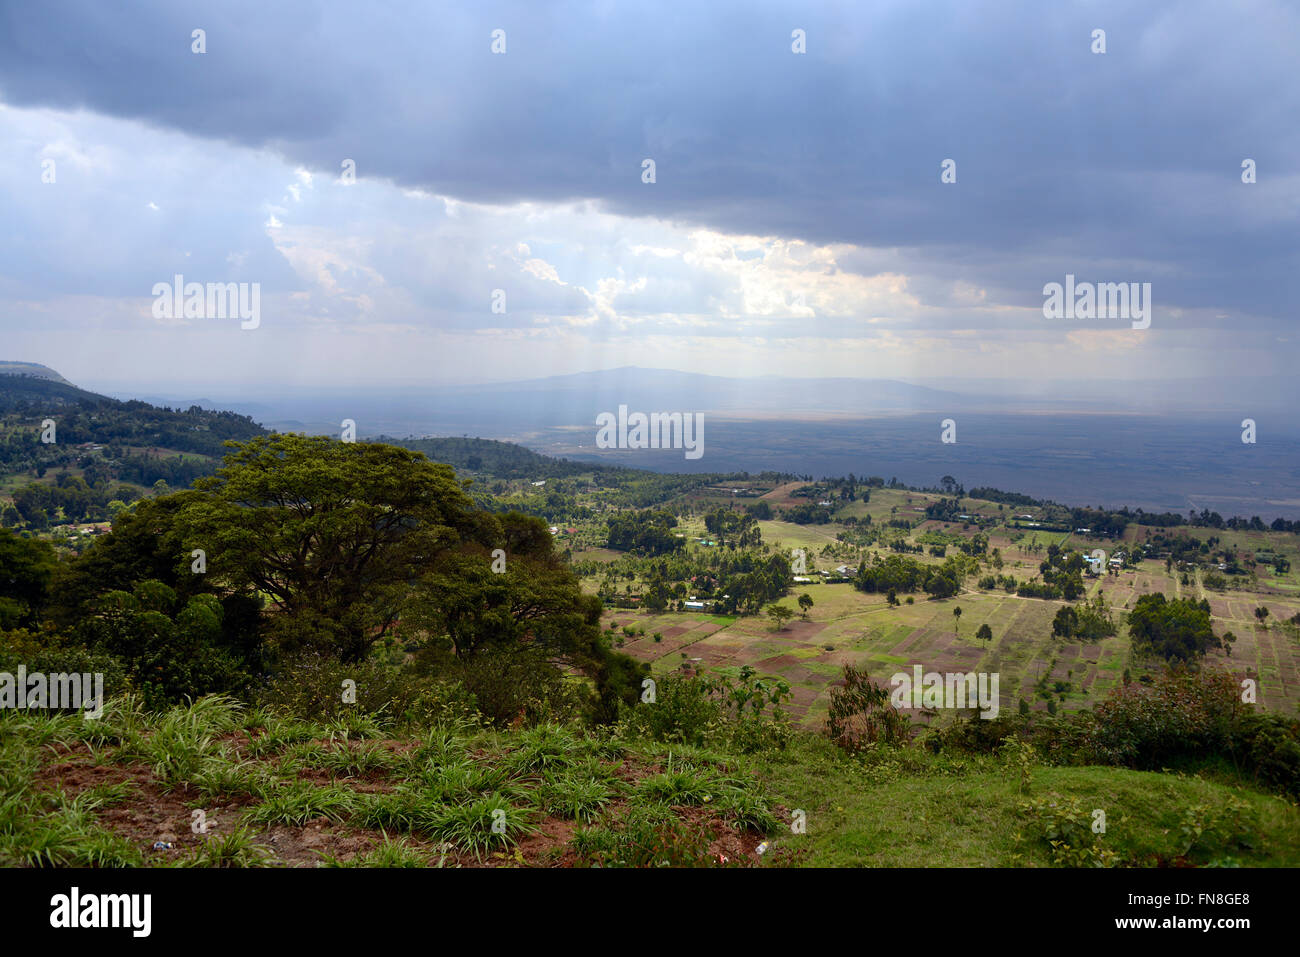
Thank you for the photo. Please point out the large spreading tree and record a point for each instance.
(335, 534)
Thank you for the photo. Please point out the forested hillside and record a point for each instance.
(68, 454)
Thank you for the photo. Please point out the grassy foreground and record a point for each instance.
(217, 784)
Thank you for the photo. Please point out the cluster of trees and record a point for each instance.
(1181, 548)
(1062, 573)
(731, 527)
(1101, 523)
(846, 489)
(808, 513)
(945, 510)
(629, 488)
(903, 546)
(502, 460)
(898, 574)
(37, 504)
(82, 417)
(746, 592)
(1090, 621)
(26, 567)
(1006, 582)
(1175, 629)
(1005, 498)
(648, 532)
(735, 582)
(304, 547)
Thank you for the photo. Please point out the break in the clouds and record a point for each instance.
(797, 223)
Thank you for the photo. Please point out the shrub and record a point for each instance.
(648, 836)
(311, 687)
(861, 714)
(975, 735)
(1184, 713)
(519, 686)
(1269, 747)
(50, 653)
(694, 709)
(683, 712)
(1067, 828)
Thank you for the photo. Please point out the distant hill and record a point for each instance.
(32, 369)
(576, 399)
(54, 391)
(98, 433)
(489, 457)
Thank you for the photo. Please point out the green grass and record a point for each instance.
(238, 848)
(937, 811)
(634, 803)
(301, 802)
(389, 853)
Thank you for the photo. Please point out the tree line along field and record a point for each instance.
(848, 626)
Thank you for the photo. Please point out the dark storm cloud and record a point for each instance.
(1066, 160)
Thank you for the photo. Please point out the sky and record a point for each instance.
(798, 222)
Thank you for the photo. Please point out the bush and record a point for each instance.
(1183, 714)
(648, 836)
(684, 711)
(1067, 828)
(861, 714)
(695, 709)
(1180, 716)
(50, 654)
(975, 735)
(171, 650)
(1269, 745)
(311, 688)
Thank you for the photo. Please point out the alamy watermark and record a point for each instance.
(38, 691)
(933, 689)
(215, 300)
(1105, 300)
(75, 909)
(658, 430)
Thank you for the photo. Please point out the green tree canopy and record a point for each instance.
(1174, 629)
(334, 533)
(26, 567)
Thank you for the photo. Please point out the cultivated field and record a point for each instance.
(846, 626)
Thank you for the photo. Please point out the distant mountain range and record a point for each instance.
(579, 397)
(1081, 444)
(515, 409)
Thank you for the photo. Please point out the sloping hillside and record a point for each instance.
(64, 451)
(31, 369)
(27, 400)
